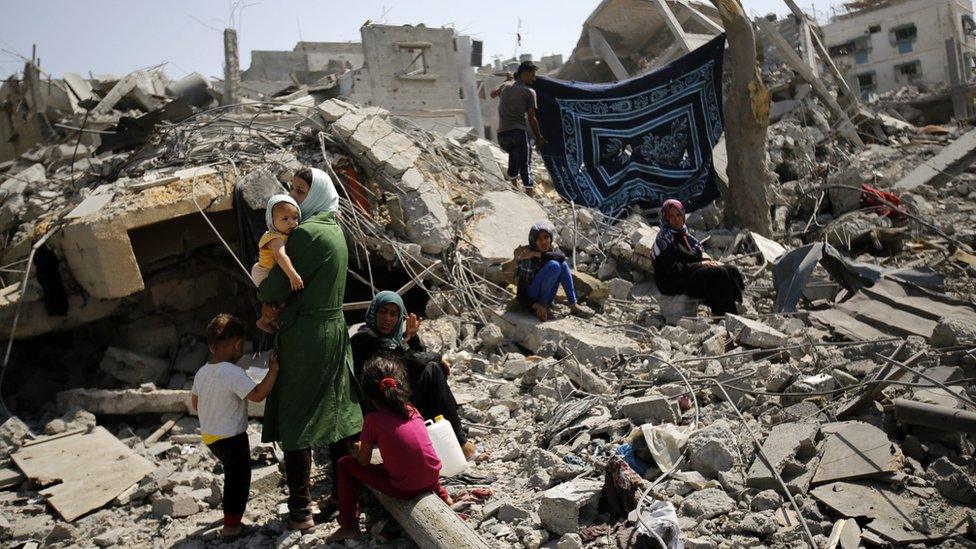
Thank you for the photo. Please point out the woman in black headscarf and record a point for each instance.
(389, 329)
(680, 266)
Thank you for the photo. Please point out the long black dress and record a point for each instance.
(429, 390)
(678, 270)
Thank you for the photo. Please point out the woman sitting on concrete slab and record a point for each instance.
(681, 266)
(389, 329)
(541, 268)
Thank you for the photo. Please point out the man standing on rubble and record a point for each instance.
(517, 102)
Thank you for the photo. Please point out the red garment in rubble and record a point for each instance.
(888, 204)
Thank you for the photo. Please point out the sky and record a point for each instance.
(117, 37)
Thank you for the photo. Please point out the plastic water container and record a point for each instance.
(446, 445)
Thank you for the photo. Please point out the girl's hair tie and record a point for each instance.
(387, 382)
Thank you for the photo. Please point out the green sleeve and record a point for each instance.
(276, 288)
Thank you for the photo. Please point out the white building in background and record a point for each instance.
(929, 43)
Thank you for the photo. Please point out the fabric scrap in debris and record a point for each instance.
(645, 139)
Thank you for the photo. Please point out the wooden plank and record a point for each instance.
(10, 477)
(93, 468)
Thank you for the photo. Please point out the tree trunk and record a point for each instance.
(746, 119)
(431, 523)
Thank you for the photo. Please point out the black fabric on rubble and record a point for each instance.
(678, 270)
(52, 286)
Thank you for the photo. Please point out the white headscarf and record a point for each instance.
(274, 201)
(322, 195)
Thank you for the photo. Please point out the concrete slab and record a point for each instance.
(92, 204)
(898, 516)
(499, 222)
(97, 247)
(785, 443)
(588, 342)
(754, 333)
(942, 167)
(857, 450)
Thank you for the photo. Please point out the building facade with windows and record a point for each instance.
(928, 43)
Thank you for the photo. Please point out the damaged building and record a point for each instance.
(887, 45)
(835, 408)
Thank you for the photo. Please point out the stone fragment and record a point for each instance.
(491, 336)
(509, 512)
(767, 500)
(762, 523)
(499, 414)
(12, 434)
(950, 332)
(712, 450)
(953, 481)
(333, 109)
(570, 541)
(257, 186)
(589, 287)
(754, 333)
(620, 288)
(500, 222)
(588, 342)
(568, 506)
(131, 367)
(785, 446)
(62, 532)
(780, 376)
(706, 504)
(654, 409)
(177, 506)
(857, 450)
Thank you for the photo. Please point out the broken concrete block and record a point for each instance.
(654, 409)
(347, 124)
(126, 401)
(508, 512)
(953, 481)
(590, 288)
(950, 332)
(754, 333)
(131, 367)
(368, 133)
(712, 450)
(425, 220)
(620, 288)
(333, 109)
(857, 450)
(178, 506)
(499, 222)
(786, 445)
(706, 504)
(257, 186)
(568, 506)
(767, 500)
(589, 343)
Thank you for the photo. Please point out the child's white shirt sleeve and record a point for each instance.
(196, 382)
(239, 382)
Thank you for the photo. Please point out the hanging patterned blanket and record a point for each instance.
(642, 140)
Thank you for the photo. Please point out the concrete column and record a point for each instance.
(470, 103)
(232, 69)
(956, 72)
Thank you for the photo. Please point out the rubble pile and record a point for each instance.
(651, 421)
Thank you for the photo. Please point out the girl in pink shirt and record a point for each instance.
(410, 465)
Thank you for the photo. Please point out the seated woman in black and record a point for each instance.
(680, 267)
(387, 327)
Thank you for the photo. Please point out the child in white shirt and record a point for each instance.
(221, 390)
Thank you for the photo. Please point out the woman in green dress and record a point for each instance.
(314, 402)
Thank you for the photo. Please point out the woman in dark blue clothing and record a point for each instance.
(541, 268)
